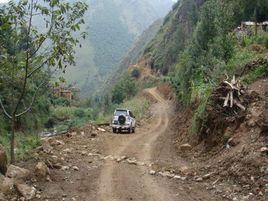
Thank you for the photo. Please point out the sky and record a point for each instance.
(5, 1)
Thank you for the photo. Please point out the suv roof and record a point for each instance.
(121, 109)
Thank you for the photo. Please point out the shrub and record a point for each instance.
(135, 73)
(125, 89)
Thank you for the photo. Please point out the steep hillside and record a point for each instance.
(133, 55)
(112, 27)
(174, 35)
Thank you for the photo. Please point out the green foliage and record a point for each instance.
(124, 89)
(135, 73)
(139, 106)
(60, 102)
(29, 55)
(257, 73)
(25, 143)
(199, 40)
(113, 26)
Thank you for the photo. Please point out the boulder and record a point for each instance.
(41, 170)
(185, 147)
(233, 142)
(47, 148)
(101, 129)
(3, 161)
(6, 185)
(28, 192)
(264, 129)
(17, 173)
(2, 197)
(264, 150)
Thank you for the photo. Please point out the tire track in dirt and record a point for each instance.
(122, 181)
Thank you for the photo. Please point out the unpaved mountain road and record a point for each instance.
(96, 170)
(151, 144)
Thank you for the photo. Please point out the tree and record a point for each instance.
(36, 37)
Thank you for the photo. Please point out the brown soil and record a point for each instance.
(152, 158)
(100, 177)
(239, 171)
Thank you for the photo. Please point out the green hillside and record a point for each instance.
(200, 43)
(112, 27)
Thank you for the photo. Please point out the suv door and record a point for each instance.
(132, 119)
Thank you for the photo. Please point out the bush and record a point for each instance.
(125, 89)
(135, 73)
(79, 113)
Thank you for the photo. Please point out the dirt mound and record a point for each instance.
(233, 145)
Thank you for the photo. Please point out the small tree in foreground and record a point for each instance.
(36, 36)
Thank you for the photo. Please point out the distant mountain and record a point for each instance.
(112, 26)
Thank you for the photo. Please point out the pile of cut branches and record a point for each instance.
(234, 90)
(230, 97)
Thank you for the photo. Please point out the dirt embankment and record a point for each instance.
(234, 155)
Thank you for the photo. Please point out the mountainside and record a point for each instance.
(112, 28)
(133, 55)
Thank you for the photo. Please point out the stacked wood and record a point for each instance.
(229, 98)
(234, 90)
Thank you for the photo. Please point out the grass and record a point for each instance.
(138, 105)
(24, 144)
(71, 117)
(257, 73)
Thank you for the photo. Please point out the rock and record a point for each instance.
(207, 176)
(198, 179)
(141, 163)
(179, 177)
(47, 148)
(167, 174)
(6, 185)
(232, 142)
(68, 151)
(83, 133)
(185, 147)
(94, 134)
(264, 129)
(3, 161)
(41, 170)
(83, 153)
(132, 161)
(2, 197)
(17, 173)
(251, 123)
(152, 172)
(75, 168)
(101, 129)
(65, 168)
(264, 150)
(26, 191)
(57, 143)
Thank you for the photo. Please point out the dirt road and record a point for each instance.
(150, 146)
(121, 167)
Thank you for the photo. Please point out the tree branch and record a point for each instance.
(4, 110)
(32, 102)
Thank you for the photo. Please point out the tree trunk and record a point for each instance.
(12, 140)
(256, 28)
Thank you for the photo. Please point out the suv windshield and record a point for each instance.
(120, 112)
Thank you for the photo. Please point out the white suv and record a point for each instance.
(123, 120)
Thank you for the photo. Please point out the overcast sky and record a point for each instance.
(5, 1)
